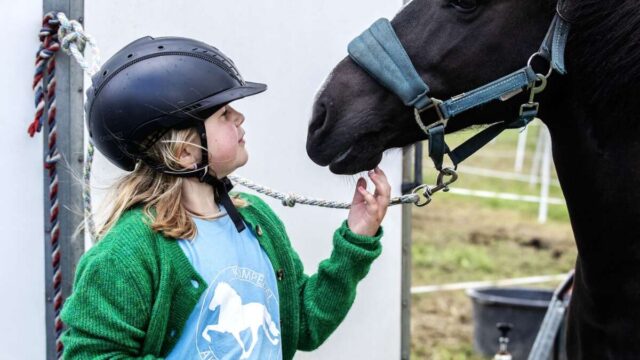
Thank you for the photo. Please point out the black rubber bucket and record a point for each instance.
(521, 307)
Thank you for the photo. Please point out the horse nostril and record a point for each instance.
(318, 119)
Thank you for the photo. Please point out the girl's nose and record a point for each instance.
(239, 118)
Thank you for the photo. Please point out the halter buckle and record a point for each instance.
(529, 108)
(435, 104)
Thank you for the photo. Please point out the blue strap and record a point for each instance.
(520, 79)
(545, 47)
(474, 144)
(560, 37)
(437, 145)
(555, 42)
(379, 51)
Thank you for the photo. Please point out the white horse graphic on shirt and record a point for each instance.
(235, 318)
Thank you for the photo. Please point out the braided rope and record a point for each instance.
(291, 199)
(74, 42)
(86, 191)
(46, 72)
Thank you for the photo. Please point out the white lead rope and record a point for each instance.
(290, 199)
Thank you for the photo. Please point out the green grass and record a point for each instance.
(461, 352)
(472, 256)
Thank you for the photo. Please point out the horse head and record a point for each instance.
(222, 292)
(455, 45)
(591, 113)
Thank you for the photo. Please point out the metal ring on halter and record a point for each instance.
(435, 104)
(547, 60)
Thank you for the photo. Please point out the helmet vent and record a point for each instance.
(146, 144)
(129, 56)
(160, 47)
(192, 107)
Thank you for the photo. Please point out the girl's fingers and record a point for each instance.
(357, 197)
(380, 172)
(383, 188)
(372, 204)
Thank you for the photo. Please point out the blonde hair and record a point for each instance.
(160, 191)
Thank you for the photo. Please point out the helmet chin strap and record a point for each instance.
(221, 187)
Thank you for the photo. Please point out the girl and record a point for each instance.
(183, 270)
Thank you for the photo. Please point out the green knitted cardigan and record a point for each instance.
(133, 290)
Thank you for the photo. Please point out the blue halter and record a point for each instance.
(379, 52)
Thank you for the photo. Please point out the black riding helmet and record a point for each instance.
(156, 84)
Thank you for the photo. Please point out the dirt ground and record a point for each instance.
(459, 239)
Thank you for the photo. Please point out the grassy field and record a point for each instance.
(461, 238)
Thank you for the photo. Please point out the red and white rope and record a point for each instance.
(46, 73)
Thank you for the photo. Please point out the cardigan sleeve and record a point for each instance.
(106, 315)
(327, 295)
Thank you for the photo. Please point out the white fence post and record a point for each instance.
(545, 176)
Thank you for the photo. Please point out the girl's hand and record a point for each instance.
(367, 210)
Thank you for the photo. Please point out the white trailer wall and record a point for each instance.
(291, 46)
(22, 311)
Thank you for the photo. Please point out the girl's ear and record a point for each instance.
(187, 158)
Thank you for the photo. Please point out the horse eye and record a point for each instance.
(464, 5)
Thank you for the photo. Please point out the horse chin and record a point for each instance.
(351, 162)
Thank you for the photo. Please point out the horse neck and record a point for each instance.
(600, 177)
(600, 180)
(595, 129)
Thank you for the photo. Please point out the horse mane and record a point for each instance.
(605, 46)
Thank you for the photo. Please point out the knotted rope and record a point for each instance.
(46, 72)
(74, 41)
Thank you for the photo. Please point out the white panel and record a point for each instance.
(291, 46)
(22, 328)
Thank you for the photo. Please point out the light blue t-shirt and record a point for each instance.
(238, 316)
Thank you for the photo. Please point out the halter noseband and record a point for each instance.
(381, 54)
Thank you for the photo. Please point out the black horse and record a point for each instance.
(457, 45)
